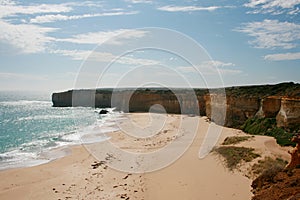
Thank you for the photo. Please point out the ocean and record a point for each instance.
(30, 128)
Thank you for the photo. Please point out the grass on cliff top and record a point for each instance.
(268, 167)
(234, 155)
(266, 171)
(282, 89)
(236, 139)
(267, 126)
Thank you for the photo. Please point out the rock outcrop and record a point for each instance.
(285, 110)
(216, 107)
(63, 99)
(295, 154)
(239, 109)
(269, 107)
(289, 113)
(103, 112)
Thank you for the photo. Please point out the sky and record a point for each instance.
(59, 45)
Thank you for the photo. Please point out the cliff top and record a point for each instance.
(289, 89)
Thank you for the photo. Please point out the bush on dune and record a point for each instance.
(234, 155)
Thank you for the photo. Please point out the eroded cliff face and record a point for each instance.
(63, 99)
(231, 110)
(216, 108)
(179, 103)
(285, 110)
(289, 113)
(269, 107)
(239, 109)
(183, 102)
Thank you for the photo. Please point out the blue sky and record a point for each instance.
(45, 45)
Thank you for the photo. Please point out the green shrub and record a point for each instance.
(267, 126)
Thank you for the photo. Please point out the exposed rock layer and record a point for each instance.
(233, 109)
(295, 154)
(289, 113)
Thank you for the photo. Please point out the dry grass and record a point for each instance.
(269, 166)
(234, 155)
(236, 139)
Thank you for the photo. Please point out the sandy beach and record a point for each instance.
(81, 176)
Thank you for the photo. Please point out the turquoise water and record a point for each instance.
(30, 126)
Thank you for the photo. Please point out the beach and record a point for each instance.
(80, 175)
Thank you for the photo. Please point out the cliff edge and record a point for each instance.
(280, 101)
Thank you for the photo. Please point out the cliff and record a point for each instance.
(280, 101)
(63, 99)
(237, 109)
(289, 113)
(269, 107)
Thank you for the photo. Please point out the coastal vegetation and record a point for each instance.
(235, 155)
(288, 89)
(268, 127)
(236, 139)
(269, 167)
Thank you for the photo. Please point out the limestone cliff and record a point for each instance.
(285, 110)
(63, 99)
(240, 103)
(269, 107)
(239, 109)
(289, 113)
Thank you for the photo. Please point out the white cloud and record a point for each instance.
(136, 61)
(272, 34)
(273, 6)
(272, 3)
(211, 67)
(104, 57)
(283, 56)
(25, 37)
(218, 64)
(92, 3)
(115, 37)
(74, 54)
(139, 1)
(32, 38)
(6, 2)
(9, 8)
(59, 17)
(229, 71)
(187, 8)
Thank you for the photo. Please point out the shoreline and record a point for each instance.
(89, 134)
(80, 175)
